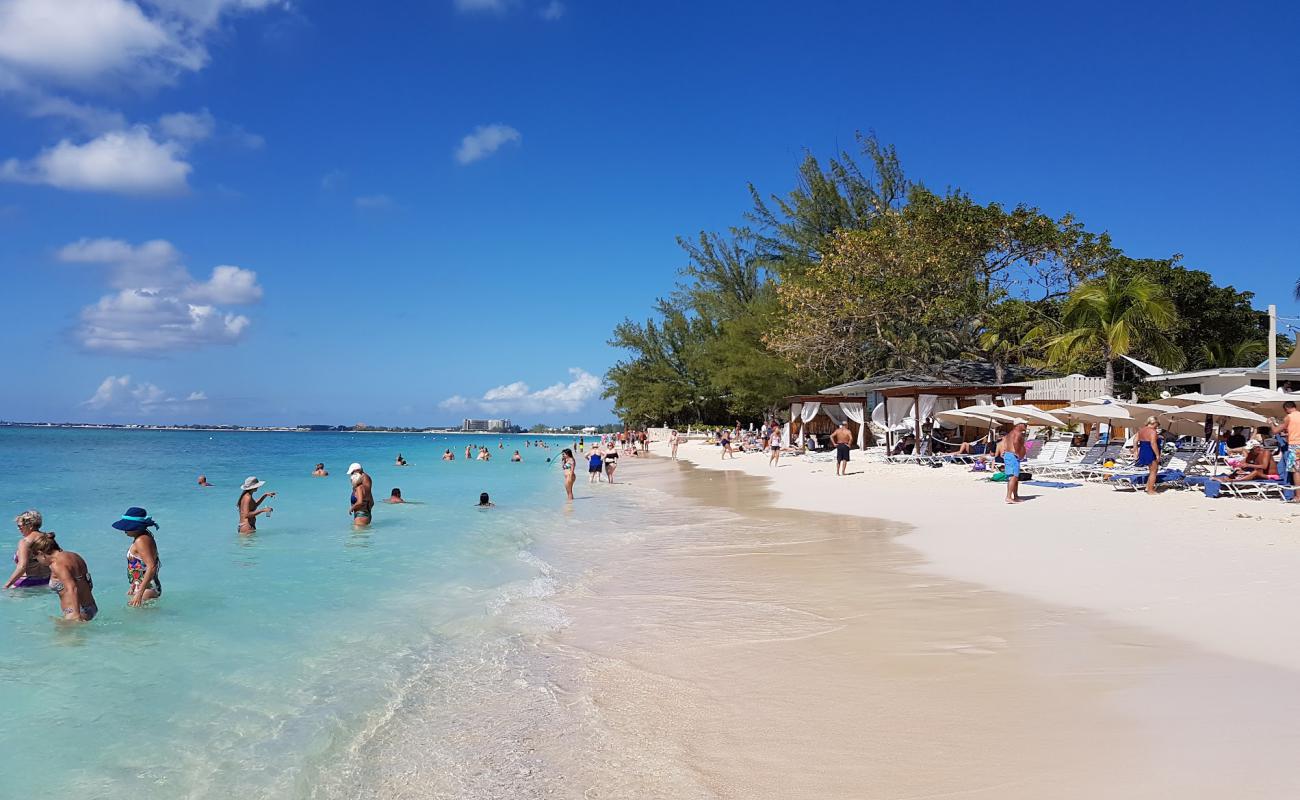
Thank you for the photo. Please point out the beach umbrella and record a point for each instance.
(1191, 398)
(1260, 400)
(1228, 412)
(974, 416)
(1110, 413)
(1033, 415)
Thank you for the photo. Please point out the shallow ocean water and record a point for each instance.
(275, 664)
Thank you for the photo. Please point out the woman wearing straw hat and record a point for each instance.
(142, 562)
(248, 507)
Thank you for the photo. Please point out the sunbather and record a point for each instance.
(1258, 466)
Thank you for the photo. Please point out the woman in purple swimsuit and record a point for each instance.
(27, 570)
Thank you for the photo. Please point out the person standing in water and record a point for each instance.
(142, 562)
(28, 571)
(568, 466)
(319, 472)
(1146, 451)
(363, 498)
(69, 579)
(248, 507)
(674, 439)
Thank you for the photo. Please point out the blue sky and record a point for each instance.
(300, 212)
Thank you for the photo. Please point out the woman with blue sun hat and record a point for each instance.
(142, 561)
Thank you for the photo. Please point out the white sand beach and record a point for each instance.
(902, 633)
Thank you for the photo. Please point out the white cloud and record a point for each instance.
(518, 397)
(85, 43)
(484, 141)
(185, 126)
(91, 119)
(120, 395)
(373, 201)
(472, 6)
(159, 306)
(552, 10)
(124, 162)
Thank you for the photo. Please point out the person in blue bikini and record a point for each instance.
(1146, 451)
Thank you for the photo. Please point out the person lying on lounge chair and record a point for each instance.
(1259, 464)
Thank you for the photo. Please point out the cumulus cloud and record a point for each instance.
(86, 43)
(118, 394)
(519, 397)
(484, 141)
(159, 306)
(125, 162)
(185, 126)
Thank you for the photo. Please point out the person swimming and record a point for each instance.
(447, 455)
(69, 579)
(142, 562)
(395, 496)
(203, 481)
(516, 457)
(27, 570)
(319, 472)
(400, 462)
(484, 501)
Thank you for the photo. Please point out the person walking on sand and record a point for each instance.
(842, 438)
(142, 562)
(673, 441)
(1146, 451)
(595, 464)
(774, 444)
(568, 466)
(1013, 449)
(611, 464)
(248, 507)
(726, 445)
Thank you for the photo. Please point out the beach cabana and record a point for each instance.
(819, 415)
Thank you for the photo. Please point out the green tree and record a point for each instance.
(1232, 354)
(1113, 316)
(665, 379)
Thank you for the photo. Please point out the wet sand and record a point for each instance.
(738, 650)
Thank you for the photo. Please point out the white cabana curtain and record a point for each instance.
(878, 416)
(854, 412)
(806, 415)
(898, 408)
(926, 406)
(833, 411)
(785, 435)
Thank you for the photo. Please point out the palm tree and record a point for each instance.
(1112, 316)
(1238, 354)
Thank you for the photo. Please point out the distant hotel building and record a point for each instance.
(485, 425)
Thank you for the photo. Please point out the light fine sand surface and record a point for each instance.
(902, 633)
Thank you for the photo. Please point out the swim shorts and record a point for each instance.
(841, 452)
(1011, 465)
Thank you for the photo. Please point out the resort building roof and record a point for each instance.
(956, 376)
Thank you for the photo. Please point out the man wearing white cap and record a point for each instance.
(1014, 450)
(248, 507)
(363, 497)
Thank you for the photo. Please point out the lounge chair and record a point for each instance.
(1090, 458)
(1172, 473)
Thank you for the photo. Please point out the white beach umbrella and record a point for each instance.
(1260, 400)
(1227, 412)
(1034, 416)
(970, 416)
(1110, 413)
(1191, 398)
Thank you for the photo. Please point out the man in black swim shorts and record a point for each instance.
(842, 439)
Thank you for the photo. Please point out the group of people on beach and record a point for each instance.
(601, 457)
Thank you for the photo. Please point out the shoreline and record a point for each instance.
(769, 652)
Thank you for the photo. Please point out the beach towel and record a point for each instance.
(1053, 484)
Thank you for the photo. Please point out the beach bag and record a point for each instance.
(998, 477)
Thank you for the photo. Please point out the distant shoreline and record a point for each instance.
(273, 429)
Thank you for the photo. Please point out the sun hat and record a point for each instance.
(1021, 422)
(355, 467)
(251, 483)
(135, 519)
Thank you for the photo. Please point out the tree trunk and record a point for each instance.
(1110, 376)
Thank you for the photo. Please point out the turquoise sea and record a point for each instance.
(280, 664)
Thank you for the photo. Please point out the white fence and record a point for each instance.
(1071, 388)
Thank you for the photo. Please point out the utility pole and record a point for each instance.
(1272, 347)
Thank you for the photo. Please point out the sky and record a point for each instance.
(406, 213)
